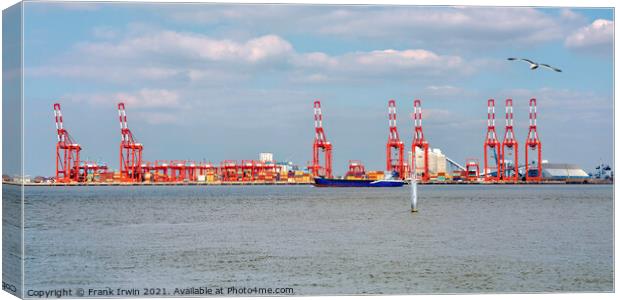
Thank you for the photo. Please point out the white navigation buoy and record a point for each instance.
(414, 193)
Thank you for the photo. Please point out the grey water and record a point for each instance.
(321, 241)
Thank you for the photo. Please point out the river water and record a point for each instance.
(321, 241)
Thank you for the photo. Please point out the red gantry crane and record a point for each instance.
(229, 170)
(510, 146)
(533, 143)
(472, 169)
(67, 152)
(177, 170)
(130, 150)
(418, 139)
(491, 143)
(356, 169)
(160, 169)
(394, 143)
(320, 145)
(248, 170)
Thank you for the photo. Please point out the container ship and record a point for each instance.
(327, 182)
(357, 177)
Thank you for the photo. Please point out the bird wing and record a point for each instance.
(550, 67)
(523, 59)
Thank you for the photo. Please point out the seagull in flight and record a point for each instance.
(535, 65)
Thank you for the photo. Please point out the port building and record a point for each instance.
(561, 171)
(436, 162)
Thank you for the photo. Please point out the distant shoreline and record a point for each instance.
(154, 183)
(240, 183)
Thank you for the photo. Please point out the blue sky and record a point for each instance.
(217, 82)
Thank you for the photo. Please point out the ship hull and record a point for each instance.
(324, 182)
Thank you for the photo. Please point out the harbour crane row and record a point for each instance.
(134, 169)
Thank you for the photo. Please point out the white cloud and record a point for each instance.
(156, 118)
(153, 106)
(316, 60)
(143, 98)
(150, 98)
(184, 45)
(472, 27)
(171, 57)
(403, 59)
(444, 90)
(437, 115)
(376, 63)
(265, 47)
(78, 6)
(110, 71)
(569, 14)
(309, 78)
(104, 32)
(562, 106)
(597, 37)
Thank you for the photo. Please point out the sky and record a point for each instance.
(214, 82)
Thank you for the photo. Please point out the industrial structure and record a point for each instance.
(320, 145)
(603, 171)
(533, 143)
(491, 143)
(560, 171)
(506, 154)
(437, 163)
(130, 150)
(67, 152)
(418, 140)
(395, 162)
(133, 169)
(356, 170)
(430, 164)
(510, 148)
(472, 169)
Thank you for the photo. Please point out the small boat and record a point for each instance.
(325, 182)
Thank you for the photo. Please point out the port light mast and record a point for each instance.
(418, 140)
(394, 144)
(510, 170)
(533, 143)
(320, 145)
(491, 143)
(130, 150)
(67, 152)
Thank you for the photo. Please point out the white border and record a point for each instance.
(546, 3)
